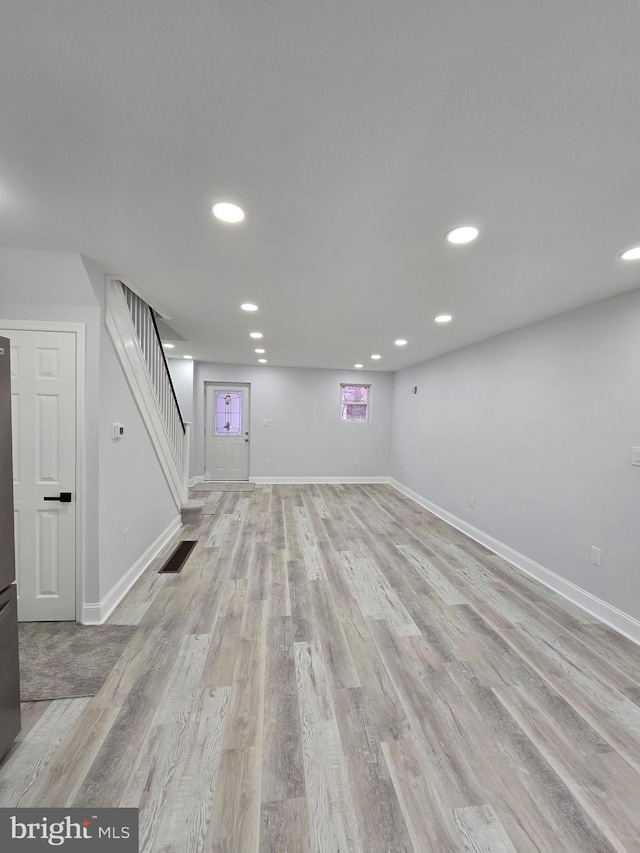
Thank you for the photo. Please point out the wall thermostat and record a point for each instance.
(118, 431)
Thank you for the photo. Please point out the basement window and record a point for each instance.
(354, 402)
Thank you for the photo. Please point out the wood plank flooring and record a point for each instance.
(336, 669)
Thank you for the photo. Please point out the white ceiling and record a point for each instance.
(354, 133)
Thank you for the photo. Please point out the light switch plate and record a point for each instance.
(635, 455)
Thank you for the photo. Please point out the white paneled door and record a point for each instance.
(226, 447)
(43, 395)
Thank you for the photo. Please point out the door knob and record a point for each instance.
(63, 497)
(246, 439)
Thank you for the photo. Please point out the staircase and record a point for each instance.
(132, 325)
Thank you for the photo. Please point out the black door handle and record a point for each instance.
(63, 497)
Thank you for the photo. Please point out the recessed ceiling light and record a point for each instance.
(443, 318)
(187, 356)
(262, 360)
(255, 335)
(227, 212)
(376, 356)
(259, 350)
(401, 342)
(358, 366)
(464, 234)
(249, 306)
(169, 346)
(631, 254)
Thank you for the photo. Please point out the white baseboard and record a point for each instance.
(265, 481)
(283, 481)
(607, 613)
(96, 614)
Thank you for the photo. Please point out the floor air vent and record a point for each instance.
(179, 557)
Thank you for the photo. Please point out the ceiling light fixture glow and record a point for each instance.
(187, 356)
(401, 342)
(169, 346)
(443, 318)
(358, 366)
(262, 360)
(375, 356)
(249, 306)
(227, 212)
(255, 335)
(631, 254)
(259, 350)
(463, 234)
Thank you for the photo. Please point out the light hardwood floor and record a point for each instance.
(336, 669)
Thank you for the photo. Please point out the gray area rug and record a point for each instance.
(64, 660)
(224, 487)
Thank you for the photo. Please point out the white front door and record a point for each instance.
(43, 397)
(226, 448)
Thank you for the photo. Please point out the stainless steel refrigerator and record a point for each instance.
(9, 671)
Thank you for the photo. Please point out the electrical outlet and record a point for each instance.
(268, 461)
(595, 555)
(355, 460)
(125, 536)
(472, 500)
(635, 455)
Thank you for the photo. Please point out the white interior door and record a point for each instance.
(43, 397)
(226, 448)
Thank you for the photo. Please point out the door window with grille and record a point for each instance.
(227, 412)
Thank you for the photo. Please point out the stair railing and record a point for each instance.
(148, 336)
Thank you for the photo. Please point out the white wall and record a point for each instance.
(30, 277)
(181, 370)
(182, 374)
(133, 493)
(538, 425)
(306, 438)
